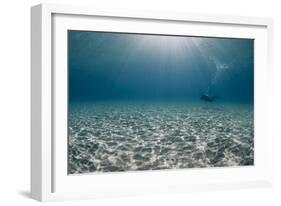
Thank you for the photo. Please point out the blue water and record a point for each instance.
(135, 102)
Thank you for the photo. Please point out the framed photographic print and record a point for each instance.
(134, 102)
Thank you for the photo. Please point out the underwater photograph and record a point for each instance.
(142, 102)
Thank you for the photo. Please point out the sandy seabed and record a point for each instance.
(111, 137)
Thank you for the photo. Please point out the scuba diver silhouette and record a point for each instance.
(207, 98)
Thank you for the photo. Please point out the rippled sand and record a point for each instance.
(110, 137)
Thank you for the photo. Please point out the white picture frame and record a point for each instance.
(49, 179)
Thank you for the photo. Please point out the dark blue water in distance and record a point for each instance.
(135, 102)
